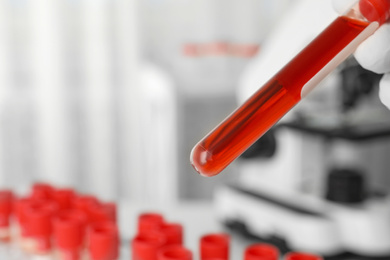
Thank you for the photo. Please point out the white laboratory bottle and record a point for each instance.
(98, 99)
(50, 92)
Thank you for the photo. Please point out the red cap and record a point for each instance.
(102, 212)
(63, 197)
(174, 252)
(69, 229)
(301, 256)
(19, 208)
(375, 10)
(6, 200)
(112, 210)
(42, 190)
(173, 232)
(214, 246)
(85, 203)
(103, 241)
(149, 221)
(38, 223)
(82, 202)
(261, 252)
(145, 246)
(39, 216)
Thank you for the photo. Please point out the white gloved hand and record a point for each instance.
(374, 53)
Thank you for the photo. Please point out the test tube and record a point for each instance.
(284, 90)
(215, 245)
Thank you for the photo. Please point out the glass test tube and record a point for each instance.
(284, 90)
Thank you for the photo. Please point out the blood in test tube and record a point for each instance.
(150, 221)
(174, 252)
(261, 252)
(103, 241)
(69, 234)
(146, 245)
(284, 90)
(173, 233)
(301, 256)
(39, 216)
(6, 201)
(214, 245)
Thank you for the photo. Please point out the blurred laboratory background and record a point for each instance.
(110, 96)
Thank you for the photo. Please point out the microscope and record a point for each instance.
(318, 181)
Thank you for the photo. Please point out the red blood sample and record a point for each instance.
(266, 106)
(261, 252)
(174, 252)
(214, 246)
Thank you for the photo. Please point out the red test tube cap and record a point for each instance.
(174, 252)
(39, 216)
(145, 246)
(85, 203)
(173, 232)
(20, 214)
(103, 241)
(149, 221)
(42, 191)
(69, 229)
(375, 10)
(301, 256)
(214, 246)
(6, 201)
(102, 212)
(261, 252)
(112, 210)
(63, 197)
